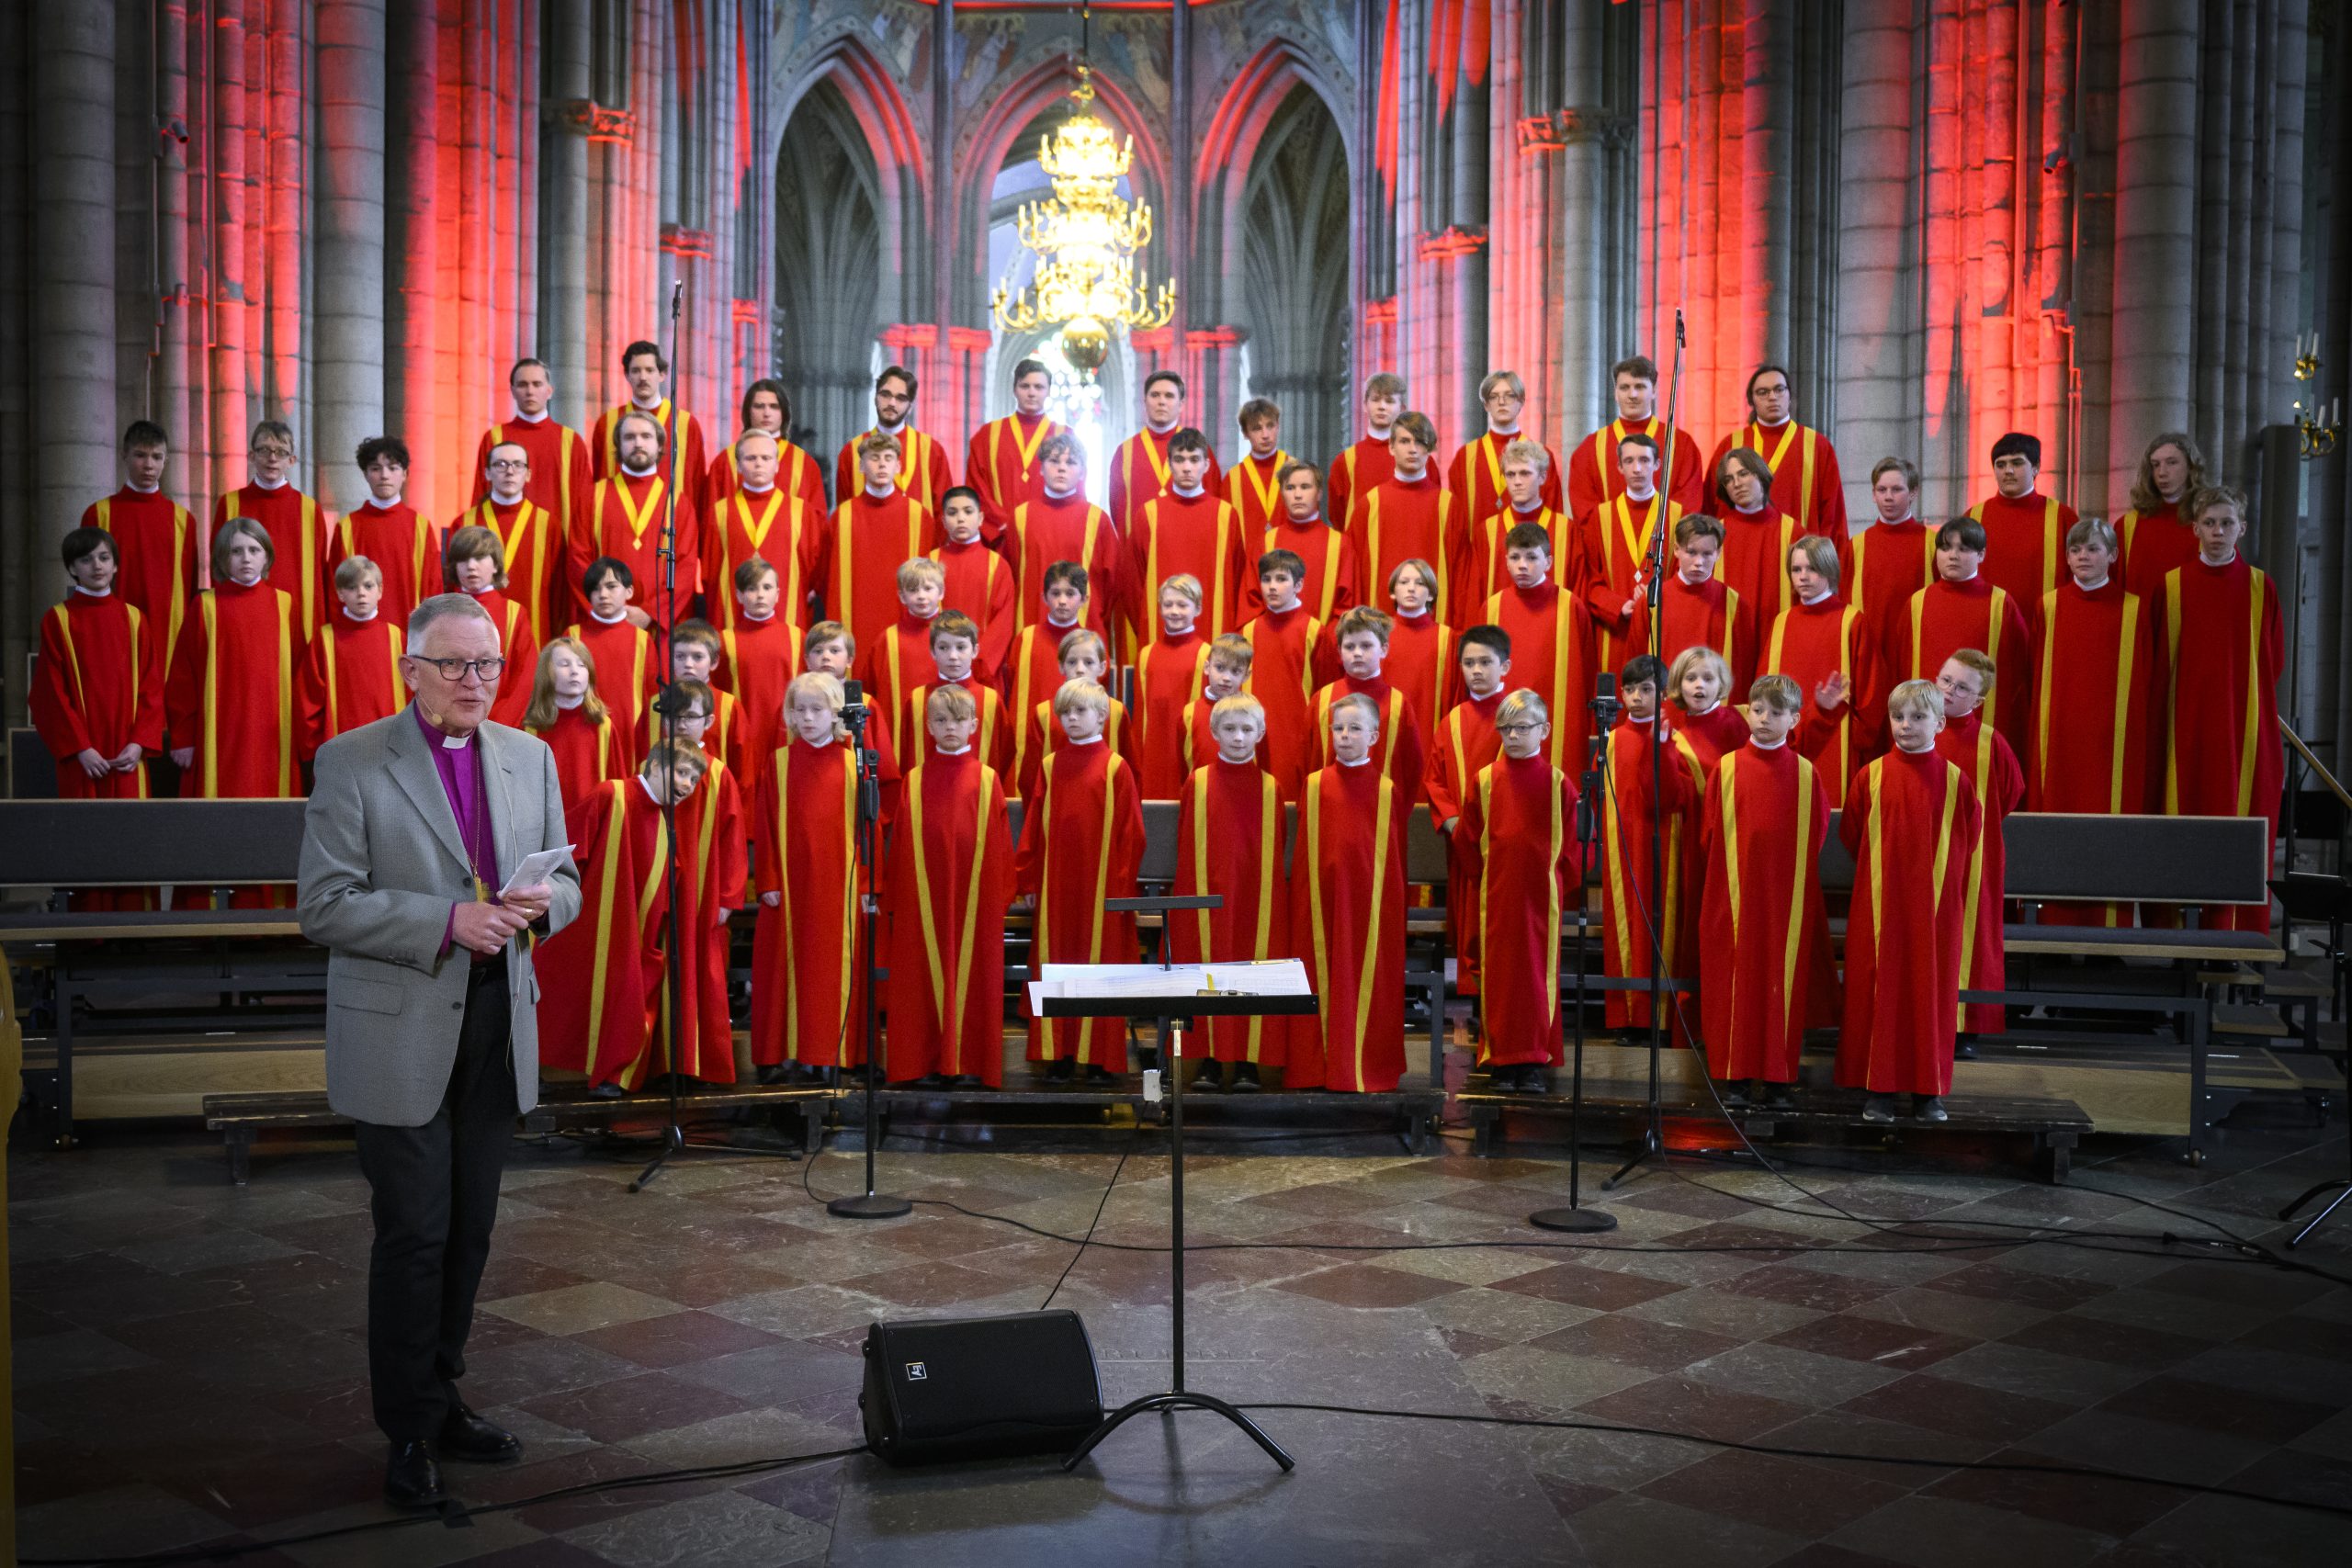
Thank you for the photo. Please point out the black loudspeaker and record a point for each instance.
(979, 1387)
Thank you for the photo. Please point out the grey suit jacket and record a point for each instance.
(382, 863)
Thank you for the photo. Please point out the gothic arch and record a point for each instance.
(1238, 126)
(1292, 265)
(833, 277)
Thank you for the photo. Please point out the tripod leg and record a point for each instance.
(1167, 1402)
(2344, 1190)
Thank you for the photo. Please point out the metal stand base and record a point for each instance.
(1168, 1404)
(1579, 1220)
(869, 1206)
(2342, 1189)
(674, 1140)
(1651, 1144)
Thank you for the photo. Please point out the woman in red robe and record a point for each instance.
(1348, 915)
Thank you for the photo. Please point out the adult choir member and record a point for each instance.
(1139, 467)
(687, 459)
(760, 516)
(1004, 462)
(1594, 474)
(557, 479)
(766, 408)
(628, 512)
(1801, 465)
(922, 460)
(533, 538)
(1757, 534)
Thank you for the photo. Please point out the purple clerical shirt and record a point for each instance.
(460, 767)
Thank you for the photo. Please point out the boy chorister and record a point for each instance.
(979, 582)
(954, 640)
(830, 650)
(1253, 485)
(808, 951)
(475, 564)
(351, 673)
(1819, 642)
(1032, 668)
(1348, 914)
(1758, 535)
(1188, 530)
(1331, 588)
(2222, 653)
(228, 695)
(1985, 759)
(711, 876)
(693, 655)
(1361, 639)
(759, 653)
(1061, 524)
(596, 974)
(1465, 742)
(1480, 472)
(1420, 649)
(950, 880)
(1764, 954)
(1696, 609)
(1698, 680)
(157, 542)
(1551, 638)
(1290, 655)
(567, 713)
(1891, 558)
(532, 537)
(98, 693)
(2027, 530)
(1224, 673)
(1964, 608)
(619, 646)
(404, 545)
(865, 538)
(1041, 734)
(1167, 674)
(1519, 821)
(1081, 840)
(1411, 514)
(1614, 544)
(1229, 842)
(1526, 474)
(897, 659)
(1640, 918)
(1910, 824)
(294, 522)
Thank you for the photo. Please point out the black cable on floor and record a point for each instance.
(1085, 1241)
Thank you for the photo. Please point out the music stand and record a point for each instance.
(1174, 1015)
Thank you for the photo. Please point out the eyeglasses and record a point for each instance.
(508, 465)
(456, 670)
(1516, 728)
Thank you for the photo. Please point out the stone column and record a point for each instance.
(563, 206)
(1877, 316)
(348, 227)
(1578, 222)
(224, 291)
(944, 411)
(2156, 228)
(72, 247)
(415, 378)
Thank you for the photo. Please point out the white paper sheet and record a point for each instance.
(538, 867)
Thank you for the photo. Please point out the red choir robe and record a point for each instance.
(229, 694)
(713, 870)
(535, 541)
(1465, 742)
(1806, 644)
(1944, 617)
(1291, 654)
(350, 675)
(2094, 707)
(627, 670)
(922, 468)
(159, 558)
(1081, 840)
(1347, 918)
(297, 527)
(1614, 546)
(724, 737)
(1910, 824)
(1519, 820)
(1806, 485)
(980, 584)
(1633, 908)
(1032, 668)
(1363, 465)
(98, 686)
(1487, 573)
(682, 447)
(1332, 588)
(2223, 661)
(1401, 747)
(1402, 520)
(1002, 465)
(1695, 615)
(797, 475)
(1200, 744)
(596, 975)
(2153, 543)
(1421, 664)
(559, 467)
(1229, 842)
(891, 665)
(1168, 676)
(1984, 758)
(1593, 479)
(1475, 476)
(862, 546)
(1886, 563)
(951, 879)
(405, 546)
(624, 519)
(587, 756)
(757, 660)
(1551, 655)
(776, 525)
(1712, 735)
(992, 743)
(1139, 472)
(1042, 737)
(1199, 534)
(1255, 491)
(2025, 543)
(521, 651)
(1754, 560)
(808, 951)
(1071, 528)
(1764, 954)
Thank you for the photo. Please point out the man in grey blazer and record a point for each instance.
(433, 1043)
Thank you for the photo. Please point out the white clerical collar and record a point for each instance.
(106, 592)
(359, 620)
(1379, 433)
(646, 473)
(1701, 713)
(270, 484)
(568, 703)
(156, 488)
(1359, 762)
(1304, 522)
(769, 616)
(2174, 500)
(1090, 741)
(1897, 522)
(646, 786)
(2090, 587)
(1502, 430)
(1170, 634)
(503, 501)
(892, 431)
(1756, 745)
(1415, 477)
(1062, 626)
(1182, 494)
(1632, 494)
(1817, 598)
(1053, 494)
(607, 620)
(1274, 609)
(1485, 696)
(1747, 510)
(2233, 556)
(1528, 511)
(963, 544)
(643, 407)
(883, 493)
(1691, 581)
(757, 490)
(1168, 429)
(539, 418)
(1916, 750)
(958, 752)
(1773, 423)
(1957, 581)
(376, 505)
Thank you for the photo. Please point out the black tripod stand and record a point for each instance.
(869, 1204)
(1573, 1217)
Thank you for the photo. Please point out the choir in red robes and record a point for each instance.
(1593, 478)
(1399, 749)
(1069, 528)
(951, 879)
(1139, 472)
(1635, 910)
(1348, 918)
(405, 546)
(587, 756)
(1332, 587)
(1754, 560)
(981, 586)
(2025, 543)
(559, 467)
(297, 527)
(2094, 715)
(682, 452)
(1402, 520)
(1289, 656)
(757, 660)
(1488, 574)
(625, 518)
(1807, 644)
(1551, 655)
(1002, 465)
(518, 647)
(1806, 485)
(1475, 476)
(1699, 615)
(1168, 675)
(2153, 543)
(775, 525)
(712, 871)
(596, 974)
(1944, 617)
(1198, 536)
(1764, 954)
(1420, 665)
(1613, 549)
(994, 742)
(1889, 562)
(535, 541)
(627, 671)
(1363, 467)
(1254, 489)
(1081, 840)
(1464, 744)
(797, 475)
(862, 546)
(923, 476)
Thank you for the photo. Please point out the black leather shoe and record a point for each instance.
(467, 1436)
(411, 1478)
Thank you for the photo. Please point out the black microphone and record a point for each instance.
(853, 694)
(1678, 341)
(678, 292)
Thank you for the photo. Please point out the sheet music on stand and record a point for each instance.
(1269, 978)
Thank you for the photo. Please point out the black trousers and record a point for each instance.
(434, 1196)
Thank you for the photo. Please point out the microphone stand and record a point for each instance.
(869, 1204)
(1653, 1134)
(1573, 1217)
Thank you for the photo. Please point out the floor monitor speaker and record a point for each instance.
(979, 1387)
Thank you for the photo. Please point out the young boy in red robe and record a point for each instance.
(1696, 608)
(1640, 918)
(1614, 546)
(954, 640)
(830, 650)
(1551, 641)
(1411, 515)
(476, 565)
(1081, 840)
(567, 713)
(758, 654)
(1526, 468)
(1347, 878)
(808, 951)
(712, 874)
(1699, 679)
(1985, 759)
(1031, 669)
(1910, 824)
(593, 974)
(296, 524)
(1253, 485)
(619, 646)
(1083, 658)
(97, 691)
(1757, 536)
(157, 549)
(951, 882)
(1464, 743)
(229, 697)
(625, 517)
(760, 519)
(979, 582)
(351, 673)
(1480, 473)
(1519, 820)
(897, 659)
(2025, 531)
(867, 539)
(1061, 524)
(1230, 832)
(1763, 947)
(1332, 588)
(1361, 641)
(1168, 675)
(405, 545)
(1964, 608)
(1290, 655)
(2223, 654)
(1893, 557)
(1820, 643)
(706, 717)
(1189, 532)
(1366, 463)
(1420, 648)
(1224, 673)
(533, 539)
